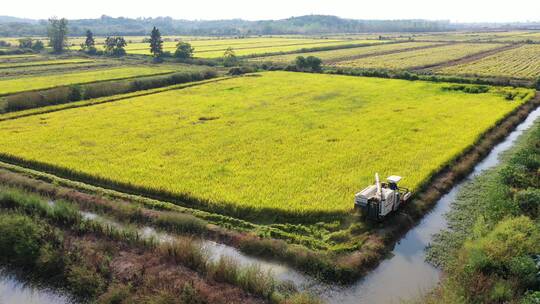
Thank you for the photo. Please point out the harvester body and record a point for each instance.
(379, 200)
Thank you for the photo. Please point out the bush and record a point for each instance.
(76, 93)
(190, 295)
(85, 282)
(529, 202)
(116, 294)
(20, 240)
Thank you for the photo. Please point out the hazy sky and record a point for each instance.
(454, 10)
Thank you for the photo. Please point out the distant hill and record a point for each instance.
(9, 19)
(312, 24)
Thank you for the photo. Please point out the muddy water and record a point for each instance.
(14, 291)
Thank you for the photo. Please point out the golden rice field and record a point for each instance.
(250, 46)
(521, 62)
(15, 85)
(344, 54)
(419, 58)
(241, 144)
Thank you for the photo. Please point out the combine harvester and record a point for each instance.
(379, 200)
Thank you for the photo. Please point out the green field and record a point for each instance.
(240, 143)
(345, 54)
(521, 62)
(43, 63)
(10, 86)
(419, 58)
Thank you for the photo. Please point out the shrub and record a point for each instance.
(183, 50)
(224, 270)
(38, 46)
(20, 240)
(529, 201)
(116, 294)
(75, 93)
(84, 281)
(253, 279)
(51, 261)
(190, 295)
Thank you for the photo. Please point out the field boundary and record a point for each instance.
(102, 100)
(81, 83)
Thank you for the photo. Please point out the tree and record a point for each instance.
(25, 43)
(38, 46)
(89, 42)
(309, 64)
(229, 57)
(114, 46)
(89, 45)
(183, 50)
(538, 83)
(57, 32)
(314, 63)
(156, 44)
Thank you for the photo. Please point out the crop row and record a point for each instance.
(521, 62)
(10, 86)
(419, 58)
(344, 54)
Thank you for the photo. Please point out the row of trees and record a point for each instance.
(115, 45)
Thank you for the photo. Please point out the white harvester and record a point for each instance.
(377, 201)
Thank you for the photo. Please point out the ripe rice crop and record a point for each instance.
(240, 144)
(419, 58)
(10, 86)
(243, 47)
(521, 62)
(344, 54)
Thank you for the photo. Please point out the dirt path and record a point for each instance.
(466, 59)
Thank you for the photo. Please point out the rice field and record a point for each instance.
(344, 54)
(419, 58)
(15, 85)
(521, 62)
(43, 63)
(241, 144)
(249, 46)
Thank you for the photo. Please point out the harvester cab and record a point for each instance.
(379, 200)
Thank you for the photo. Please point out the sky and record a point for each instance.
(453, 10)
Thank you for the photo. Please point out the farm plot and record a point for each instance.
(10, 86)
(240, 145)
(344, 54)
(521, 62)
(215, 49)
(419, 58)
(43, 63)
